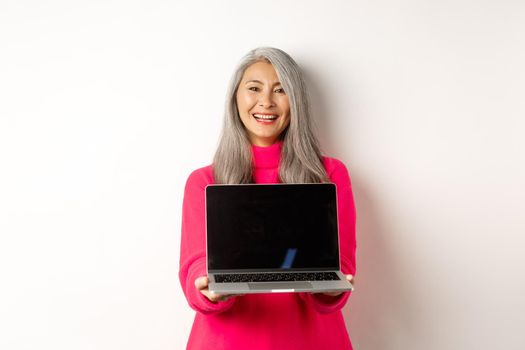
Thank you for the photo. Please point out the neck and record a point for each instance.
(263, 142)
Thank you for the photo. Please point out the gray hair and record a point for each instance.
(301, 160)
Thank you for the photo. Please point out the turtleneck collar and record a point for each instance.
(267, 157)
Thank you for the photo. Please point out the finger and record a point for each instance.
(222, 297)
(218, 297)
(209, 295)
(201, 282)
(351, 279)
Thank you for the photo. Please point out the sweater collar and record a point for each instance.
(267, 157)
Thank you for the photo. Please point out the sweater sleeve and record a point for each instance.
(338, 173)
(193, 244)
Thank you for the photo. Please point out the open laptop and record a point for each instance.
(267, 238)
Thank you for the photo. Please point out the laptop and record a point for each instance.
(271, 238)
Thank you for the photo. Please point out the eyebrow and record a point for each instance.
(260, 82)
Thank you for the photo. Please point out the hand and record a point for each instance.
(349, 278)
(201, 284)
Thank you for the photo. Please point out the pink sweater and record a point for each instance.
(264, 321)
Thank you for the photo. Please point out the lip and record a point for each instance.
(265, 121)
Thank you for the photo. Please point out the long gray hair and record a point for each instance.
(301, 160)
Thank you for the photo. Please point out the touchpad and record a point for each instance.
(279, 285)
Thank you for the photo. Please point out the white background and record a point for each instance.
(107, 106)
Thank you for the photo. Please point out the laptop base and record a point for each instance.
(341, 285)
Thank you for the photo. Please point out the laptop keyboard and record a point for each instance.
(276, 277)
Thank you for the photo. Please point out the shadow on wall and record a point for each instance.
(382, 311)
(320, 110)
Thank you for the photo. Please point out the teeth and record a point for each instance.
(263, 116)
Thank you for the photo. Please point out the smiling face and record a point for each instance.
(263, 105)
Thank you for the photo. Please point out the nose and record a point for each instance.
(265, 100)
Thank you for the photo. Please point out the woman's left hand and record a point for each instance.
(349, 278)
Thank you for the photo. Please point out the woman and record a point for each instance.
(267, 138)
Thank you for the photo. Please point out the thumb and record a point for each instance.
(201, 282)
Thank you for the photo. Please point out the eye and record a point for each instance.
(253, 88)
(279, 91)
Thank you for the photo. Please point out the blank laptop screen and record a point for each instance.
(272, 227)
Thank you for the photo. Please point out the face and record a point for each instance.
(263, 105)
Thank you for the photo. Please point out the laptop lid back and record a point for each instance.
(272, 227)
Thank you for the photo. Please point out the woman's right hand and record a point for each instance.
(201, 284)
